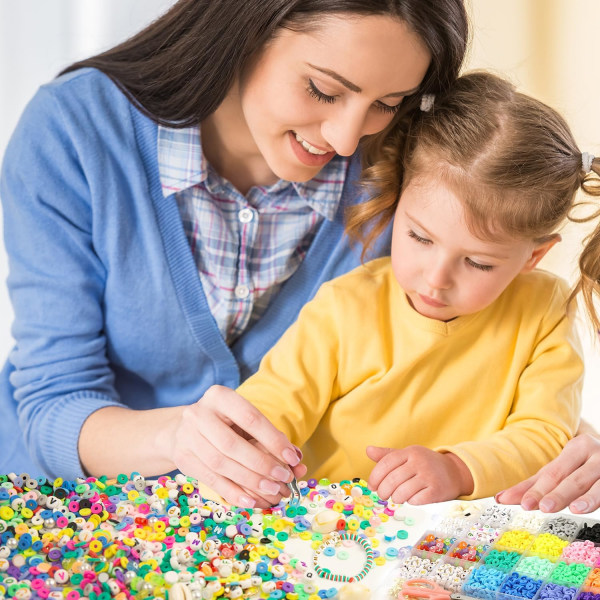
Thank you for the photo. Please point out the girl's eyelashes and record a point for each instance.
(316, 93)
(418, 238)
(479, 266)
(471, 263)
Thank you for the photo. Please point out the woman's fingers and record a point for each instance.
(236, 410)
(571, 480)
(216, 443)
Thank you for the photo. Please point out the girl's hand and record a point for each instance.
(418, 475)
(572, 479)
(227, 444)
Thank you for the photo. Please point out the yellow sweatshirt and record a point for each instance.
(499, 388)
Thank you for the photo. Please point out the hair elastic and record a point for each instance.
(586, 161)
(427, 101)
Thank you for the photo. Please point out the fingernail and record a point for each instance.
(528, 503)
(498, 497)
(268, 486)
(299, 452)
(247, 502)
(547, 505)
(280, 473)
(579, 506)
(290, 457)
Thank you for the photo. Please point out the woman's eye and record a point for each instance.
(315, 92)
(418, 238)
(386, 108)
(479, 266)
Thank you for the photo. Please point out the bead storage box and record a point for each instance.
(125, 538)
(504, 553)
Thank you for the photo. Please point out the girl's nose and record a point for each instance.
(439, 276)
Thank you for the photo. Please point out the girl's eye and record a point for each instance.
(315, 92)
(418, 238)
(479, 266)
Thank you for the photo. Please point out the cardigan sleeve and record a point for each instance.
(56, 282)
(545, 410)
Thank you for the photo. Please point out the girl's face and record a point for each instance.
(443, 268)
(310, 96)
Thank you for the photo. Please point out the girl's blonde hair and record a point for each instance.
(511, 159)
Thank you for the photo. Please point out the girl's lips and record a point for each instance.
(431, 302)
(306, 157)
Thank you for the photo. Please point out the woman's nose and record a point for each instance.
(343, 129)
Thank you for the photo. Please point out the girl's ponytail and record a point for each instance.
(589, 260)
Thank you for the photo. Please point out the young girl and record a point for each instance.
(456, 356)
(171, 204)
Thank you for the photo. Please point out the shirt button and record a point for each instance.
(245, 215)
(241, 291)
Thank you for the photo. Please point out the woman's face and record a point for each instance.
(313, 95)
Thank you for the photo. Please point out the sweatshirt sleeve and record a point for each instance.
(297, 378)
(545, 412)
(56, 283)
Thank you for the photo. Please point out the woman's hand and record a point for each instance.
(227, 444)
(572, 479)
(221, 440)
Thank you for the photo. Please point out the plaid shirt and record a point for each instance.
(245, 247)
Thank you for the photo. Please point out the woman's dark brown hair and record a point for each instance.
(179, 69)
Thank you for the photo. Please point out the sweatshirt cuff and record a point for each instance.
(486, 469)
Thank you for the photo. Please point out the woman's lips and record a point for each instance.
(306, 157)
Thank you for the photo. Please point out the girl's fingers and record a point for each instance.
(387, 459)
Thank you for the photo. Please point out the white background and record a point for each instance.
(547, 47)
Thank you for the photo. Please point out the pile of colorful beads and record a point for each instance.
(464, 551)
(515, 539)
(529, 521)
(590, 532)
(502, 560)
(533, 566)
(582, 551)
(520, 586)
(483, 582)
(572, 575)
(483, 534)
(561, 527)
(127, 538)
(434, 544)
(496, 516)
(548, 544)
(552, 591)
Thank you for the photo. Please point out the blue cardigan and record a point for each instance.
(109, 308)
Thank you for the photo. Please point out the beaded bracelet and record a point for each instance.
(335, 540)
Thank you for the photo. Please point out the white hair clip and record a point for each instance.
(586, 161)
(427, 101)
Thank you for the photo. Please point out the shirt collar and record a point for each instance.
(182, 165)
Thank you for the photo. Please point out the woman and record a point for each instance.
(157, 248)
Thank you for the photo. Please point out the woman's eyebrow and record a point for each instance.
(352, 86)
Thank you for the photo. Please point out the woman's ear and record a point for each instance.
(540, 251)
